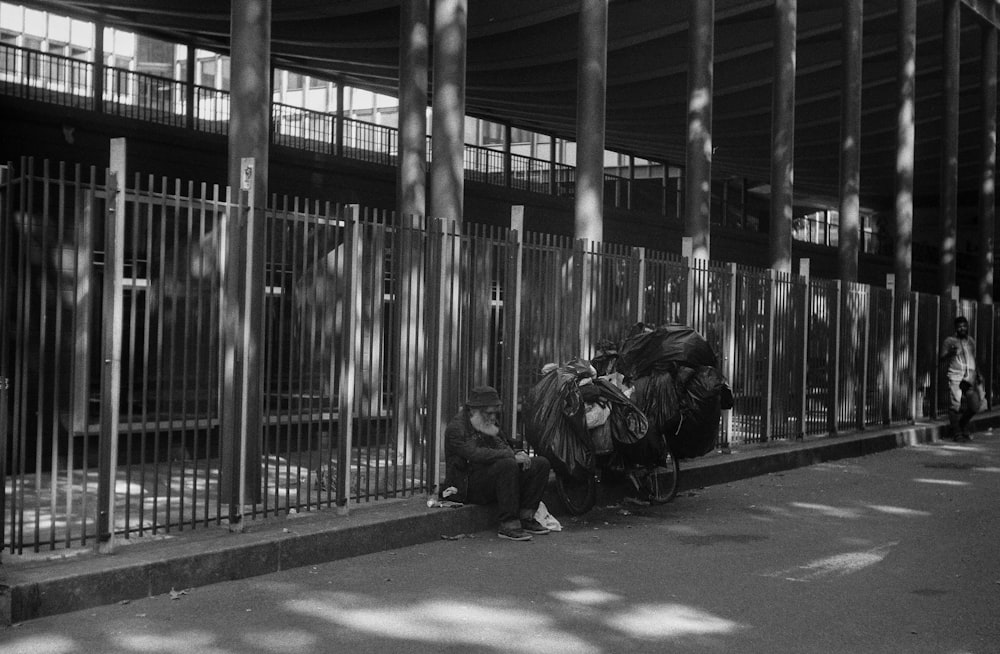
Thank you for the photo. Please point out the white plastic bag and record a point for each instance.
(546, 519)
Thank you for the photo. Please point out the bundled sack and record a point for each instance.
(648, 350)
(555, 422)
(700, 395)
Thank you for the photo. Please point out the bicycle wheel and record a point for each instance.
(659, 483)
(577, 495)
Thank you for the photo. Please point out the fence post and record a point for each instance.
(804, 388)
(584, 304)
(729, 357)
(862, 403)
(438, 305)
(687, 252)
(890, 283)
(111, 345)
(936, 377)
(768, 417)
(834, 381)
(915, 404)
(352, 354)
(513, 293)
(639, 261)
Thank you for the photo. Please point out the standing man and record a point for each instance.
(483, 468)
(959, 358)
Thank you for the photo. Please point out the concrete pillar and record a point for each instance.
(849, 230)
(783, 134)
(249, 141)
(448, 120)
(987, 180)
(948, 206)
(698, 173)
(905, 143)
(414, 48)
(250, 91)
(590, 110)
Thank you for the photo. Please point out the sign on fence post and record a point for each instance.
(111, 346)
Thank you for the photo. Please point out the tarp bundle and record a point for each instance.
(677, 387)
(554, 422)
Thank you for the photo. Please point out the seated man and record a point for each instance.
(483, 467)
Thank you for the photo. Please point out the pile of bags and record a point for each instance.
(677, 386)
(571, 416)
(659, 389)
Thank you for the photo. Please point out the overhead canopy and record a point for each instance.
(521, 70)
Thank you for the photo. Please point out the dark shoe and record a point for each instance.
(513, 533)
(533, 526)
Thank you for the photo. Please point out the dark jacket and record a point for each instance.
(468, 450)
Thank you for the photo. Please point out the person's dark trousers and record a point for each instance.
(954, 423)
(964, 418)
(517, 492)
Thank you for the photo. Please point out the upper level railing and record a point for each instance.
(70, 82)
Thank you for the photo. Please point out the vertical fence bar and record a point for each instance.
(833, 410)
(768, 413)
(729, 362)
(111, 348)
(583, 303)
(914, 348)
(804, 369)
(513, 290)
(639, 262)
(862, 400)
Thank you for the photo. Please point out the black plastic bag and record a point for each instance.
(662, 349)
(555, 423)
(699, 398)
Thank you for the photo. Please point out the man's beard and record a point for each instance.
(483, 424)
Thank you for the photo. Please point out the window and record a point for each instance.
(294, 82)
(207, 69)
(492, 134)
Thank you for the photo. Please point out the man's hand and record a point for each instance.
(523, 459)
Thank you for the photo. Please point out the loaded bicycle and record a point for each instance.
(658, 399)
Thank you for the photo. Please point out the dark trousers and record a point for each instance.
(517, 492)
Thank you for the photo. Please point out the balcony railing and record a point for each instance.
(45, 77)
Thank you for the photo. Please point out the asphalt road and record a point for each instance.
(894, 552)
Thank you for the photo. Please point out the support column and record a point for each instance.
(987, 180)
(905, 143)
(849, 230)
(948, 208)
(249, 142)
(414, 46)
(448, 131)
(783, 134)
(698, 173)
(98, 82)
(590, 110)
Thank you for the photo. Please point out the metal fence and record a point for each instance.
(373, 330)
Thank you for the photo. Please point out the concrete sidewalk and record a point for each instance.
(36, 587)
